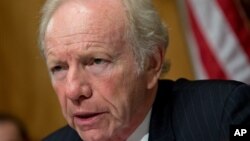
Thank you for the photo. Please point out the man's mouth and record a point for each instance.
(87, 115)
(87, 119)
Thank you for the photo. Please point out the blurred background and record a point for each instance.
(25, 89)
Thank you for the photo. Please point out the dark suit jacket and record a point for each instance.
(190, 111)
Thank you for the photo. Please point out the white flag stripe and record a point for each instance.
(244, 76)
(199, 70)
(222, 39)
(198, 67)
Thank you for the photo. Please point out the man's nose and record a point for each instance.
(78, 87)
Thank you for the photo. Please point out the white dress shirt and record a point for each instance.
(141, 132)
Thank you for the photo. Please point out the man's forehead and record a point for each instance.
(75, 14)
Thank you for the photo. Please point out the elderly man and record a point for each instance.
(105, 57)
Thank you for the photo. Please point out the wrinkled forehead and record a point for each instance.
(74, 15)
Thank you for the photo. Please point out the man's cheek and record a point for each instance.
(60, 93)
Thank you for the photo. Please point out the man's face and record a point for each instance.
(9, 132)
(93, 70)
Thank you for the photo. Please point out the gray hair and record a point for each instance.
(145, 31)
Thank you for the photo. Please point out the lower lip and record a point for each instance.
(88, 122)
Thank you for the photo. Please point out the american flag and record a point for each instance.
(219, 38)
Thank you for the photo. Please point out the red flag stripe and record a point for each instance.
(210, 63)
(237, 24)
(199, 70)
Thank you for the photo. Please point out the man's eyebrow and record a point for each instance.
(50, 59)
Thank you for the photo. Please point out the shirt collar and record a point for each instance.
(141, 132)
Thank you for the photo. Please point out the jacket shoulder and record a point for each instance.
(211, 96)
(209, 107)
(207, 84)
(65, 133)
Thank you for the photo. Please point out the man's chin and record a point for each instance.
(94, 135)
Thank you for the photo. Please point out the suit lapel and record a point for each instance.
(161, 119)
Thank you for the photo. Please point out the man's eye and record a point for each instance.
(56, 69)
(58, 72)
(98, 65)
(98, 61)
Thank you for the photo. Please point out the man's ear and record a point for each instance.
(154, 66)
